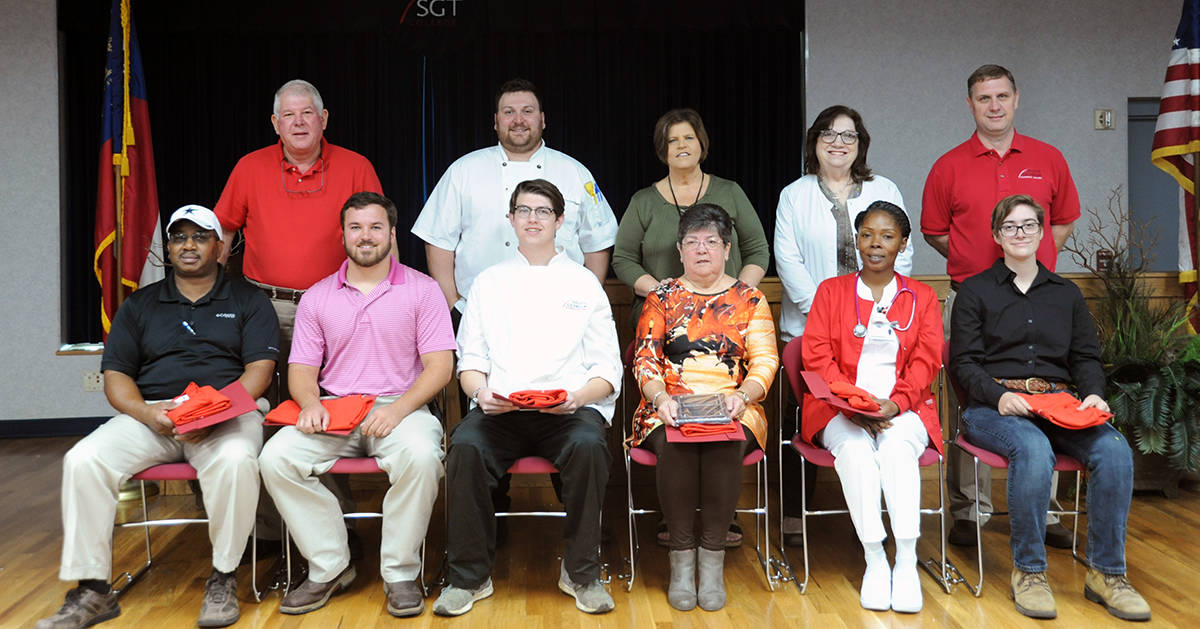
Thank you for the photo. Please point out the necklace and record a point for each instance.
(676, 201)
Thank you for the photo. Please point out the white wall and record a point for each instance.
(904, 66)
(34, 383)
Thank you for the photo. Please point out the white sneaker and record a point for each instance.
(906, 589)
(876, 590)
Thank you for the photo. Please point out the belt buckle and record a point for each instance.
(1036, 385)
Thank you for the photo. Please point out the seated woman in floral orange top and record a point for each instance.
(705, 332)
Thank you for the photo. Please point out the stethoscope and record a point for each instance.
(860, 330)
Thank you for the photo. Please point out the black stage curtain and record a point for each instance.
(413, 90)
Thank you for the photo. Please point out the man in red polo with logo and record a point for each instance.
(963, 187)
(284, 198)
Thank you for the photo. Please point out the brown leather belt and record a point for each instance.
(1032, 385)
(281, 294)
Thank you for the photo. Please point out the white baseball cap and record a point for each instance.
(198, 214)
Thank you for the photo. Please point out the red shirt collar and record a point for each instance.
(317, 166)
(979, 148)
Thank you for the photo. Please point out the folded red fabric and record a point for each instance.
(857, 397)
(345, 413)
(1063, 409)
(702, 430)
(533, 398)
(197, 402)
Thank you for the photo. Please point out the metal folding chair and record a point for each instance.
(941, 571)
(1062, 463)
(165, 472)
(762, 533)
(352, 465)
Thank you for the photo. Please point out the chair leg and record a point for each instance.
(631, 527)
(803, 585)
(944, 572)
(762, 518)
(1075, 523)
(978, 589)
(129, 578)
(258, 596)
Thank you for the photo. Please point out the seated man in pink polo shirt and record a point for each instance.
(375, 327)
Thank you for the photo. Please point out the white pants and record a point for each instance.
(866, 465)
(411, 455)
(226, 463)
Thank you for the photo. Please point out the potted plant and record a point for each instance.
(1152, 365)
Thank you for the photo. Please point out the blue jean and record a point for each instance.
(1029, 445)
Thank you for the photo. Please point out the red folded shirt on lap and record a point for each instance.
(197, 402)
(857, 397)
(533, 398)
(702, 430)
(345, 413)
(1063, 409)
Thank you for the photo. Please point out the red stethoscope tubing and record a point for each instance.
(860, 329)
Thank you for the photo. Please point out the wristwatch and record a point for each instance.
(475, 395)
(745, 398)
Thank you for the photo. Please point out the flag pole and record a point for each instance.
(118, 197)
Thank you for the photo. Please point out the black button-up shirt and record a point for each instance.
(998, 332)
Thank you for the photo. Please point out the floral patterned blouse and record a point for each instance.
(700, 343)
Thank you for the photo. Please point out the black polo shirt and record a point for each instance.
(231, 326)
(998, 332)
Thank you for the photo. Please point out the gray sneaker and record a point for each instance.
(456, 601)
(591, 597)
(220, 606)
(83, 608)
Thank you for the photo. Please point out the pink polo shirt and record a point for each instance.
(967, 182)
(371, 343)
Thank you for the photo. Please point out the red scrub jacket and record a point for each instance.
(830, 348)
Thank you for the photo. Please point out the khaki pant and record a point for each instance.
(411, 455)
(226, 463)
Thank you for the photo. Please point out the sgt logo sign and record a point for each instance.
(437, 8)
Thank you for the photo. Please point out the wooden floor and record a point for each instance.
(1163, 553)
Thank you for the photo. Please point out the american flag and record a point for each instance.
(1177, 134)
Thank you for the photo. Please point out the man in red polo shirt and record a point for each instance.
(963, 187)
(284, 198)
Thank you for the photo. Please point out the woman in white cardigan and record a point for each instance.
(815, 240)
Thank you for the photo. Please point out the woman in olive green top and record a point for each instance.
(645, 254)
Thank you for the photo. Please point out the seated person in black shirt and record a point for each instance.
(194, 325)
(1018, 328)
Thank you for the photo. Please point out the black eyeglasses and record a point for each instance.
(848, 137)
(200, 238)
(1029, 228)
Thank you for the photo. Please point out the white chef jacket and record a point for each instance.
(467, 211)
(540, 327)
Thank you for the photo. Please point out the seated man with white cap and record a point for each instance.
(195, 325)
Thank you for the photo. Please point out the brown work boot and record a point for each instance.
(1115, 593)
(312, 595)
(1031, 594)
(404, 598)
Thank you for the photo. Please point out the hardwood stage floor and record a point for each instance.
(1163, 552)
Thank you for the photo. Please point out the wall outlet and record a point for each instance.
(93, 381)
(1102, 119)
